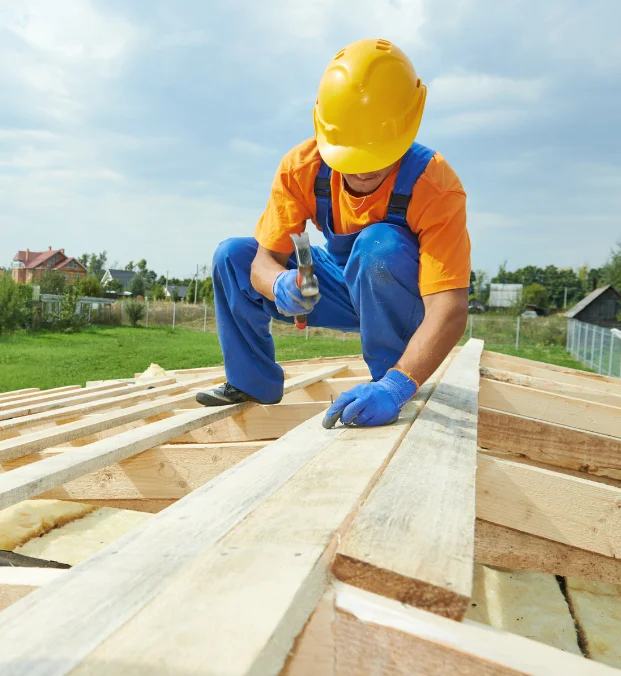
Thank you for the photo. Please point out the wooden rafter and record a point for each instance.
(256, 506)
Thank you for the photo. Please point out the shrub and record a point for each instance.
(158, 292)
(137, 286)
(15, 300)
(90, 286)
(135, 311)
(53, 282)
(68, 320)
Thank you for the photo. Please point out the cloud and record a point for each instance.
(459, 91)
(244, 147)
(154, 130)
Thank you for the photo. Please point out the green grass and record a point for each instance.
(47, 359)
(551, 355)
(53, 359)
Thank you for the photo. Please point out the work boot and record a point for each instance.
(223, 395)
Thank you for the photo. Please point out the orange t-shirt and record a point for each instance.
(437, 214)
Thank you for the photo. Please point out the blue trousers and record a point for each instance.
(376, 293)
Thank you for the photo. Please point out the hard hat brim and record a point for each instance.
(351, 160)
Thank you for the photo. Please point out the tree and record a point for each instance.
(205, 291)
(142, 265)
(97, 264)
(135, 311)
(90, 286)
(158, 293)
(115, 285)
(481, 286)
(535, 294)
(53, 282)
(189, 297)
(137, 286)
(612, 270)
(14, 305)
(130, 266)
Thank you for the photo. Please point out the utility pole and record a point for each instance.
(196, 285)
(565, 301)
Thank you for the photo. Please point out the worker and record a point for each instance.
(396, 264)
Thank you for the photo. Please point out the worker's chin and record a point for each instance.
(363, 187)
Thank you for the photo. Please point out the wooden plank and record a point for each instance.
(52, 631)
(551, 372)
(60, 391)
(16, 393)
(168, 472)
(414, 538)
(47, 396)
(313, 652)
(550, 443)
(560, 507)
(555, 408)
(48, 437)
(375, 635)
(275, 565)
(260, 422)
(507, 548)
(322, 391)
(9, 427)
(16, 583)
(143, 505)
(87, 395)
(576, 391)
(24, 482)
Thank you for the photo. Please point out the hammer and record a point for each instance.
(305, 279)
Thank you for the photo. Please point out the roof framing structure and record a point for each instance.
(277, 546)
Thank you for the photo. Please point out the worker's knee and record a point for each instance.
(383, 247)
(236, 251)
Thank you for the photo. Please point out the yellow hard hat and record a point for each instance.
(369, 107)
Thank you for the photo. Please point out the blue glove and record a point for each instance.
(289, 300)
(373, 404)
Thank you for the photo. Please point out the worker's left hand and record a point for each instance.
(373, 404)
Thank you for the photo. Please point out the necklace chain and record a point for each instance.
(364, 199)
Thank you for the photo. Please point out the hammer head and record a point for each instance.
(307, 282)
(302, 250)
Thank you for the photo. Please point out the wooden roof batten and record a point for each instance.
(300, 550)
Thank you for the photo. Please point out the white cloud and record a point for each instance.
(184, 38)
(465, 90)
(71, 30)
(245, 147)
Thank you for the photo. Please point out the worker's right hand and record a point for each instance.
(289, 300)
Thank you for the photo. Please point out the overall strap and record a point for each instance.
(323, 196)
(413, 164)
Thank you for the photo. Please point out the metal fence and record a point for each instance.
(595, 346)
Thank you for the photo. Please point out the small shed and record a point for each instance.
(86, 306)
(505, 295)
(601, 307)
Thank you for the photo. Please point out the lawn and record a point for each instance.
(53, 359)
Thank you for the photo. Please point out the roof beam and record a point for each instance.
(550, 443)
(507, 548)
(413, 540)
(555, 408)
(577, 391)
(560, 507)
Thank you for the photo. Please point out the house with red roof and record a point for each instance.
(29, 266)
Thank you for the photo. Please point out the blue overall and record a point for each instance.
(368, 282)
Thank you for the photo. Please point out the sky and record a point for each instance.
(152, 129)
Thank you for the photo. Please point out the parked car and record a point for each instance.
(528, 314)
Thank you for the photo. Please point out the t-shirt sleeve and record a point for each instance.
(444, 244)
(286, 213)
